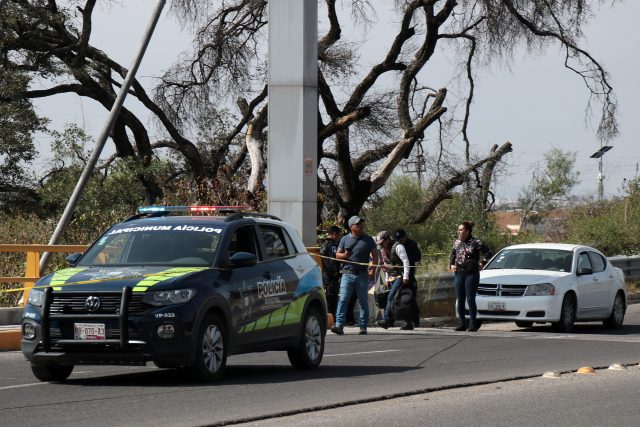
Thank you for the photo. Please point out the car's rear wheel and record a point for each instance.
(617, 313)
(523, 324)
(308, 353)
(567, 314)
(52, 372)
(211, 350)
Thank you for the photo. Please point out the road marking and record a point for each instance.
(20, 386)
(360, 352)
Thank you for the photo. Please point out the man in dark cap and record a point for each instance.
(355, 248)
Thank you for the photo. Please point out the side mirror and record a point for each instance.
(73, 259)
(584, 271)
(243, 259)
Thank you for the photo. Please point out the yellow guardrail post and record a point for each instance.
(32, 274)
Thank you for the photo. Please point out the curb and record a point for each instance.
(10, 338)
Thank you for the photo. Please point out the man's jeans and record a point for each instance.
(349, 283)
(388, 310)
(466, 288)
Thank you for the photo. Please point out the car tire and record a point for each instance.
(617, 313)
(523, 324)
(567, 314)
(211, 350)
(308, 353)
(52, 372)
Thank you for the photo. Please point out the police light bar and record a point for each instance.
(151, 209)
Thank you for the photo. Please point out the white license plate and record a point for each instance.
(497, 306)
(88, 331)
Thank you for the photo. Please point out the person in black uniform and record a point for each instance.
(415, 256)
(331, 268)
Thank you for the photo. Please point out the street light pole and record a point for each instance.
(104, 134)
(598, 155)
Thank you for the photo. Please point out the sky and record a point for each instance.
(536, 103)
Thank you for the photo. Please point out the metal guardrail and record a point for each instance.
(630, 265)
(32, 269)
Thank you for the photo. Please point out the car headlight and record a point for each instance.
(176, 296)
(540, 289)
(36, 296)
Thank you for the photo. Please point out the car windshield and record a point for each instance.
(172, 245)
(532, 259)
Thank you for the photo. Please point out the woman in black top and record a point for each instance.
(465, 262)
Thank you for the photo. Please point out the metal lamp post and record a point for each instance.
(598, 155)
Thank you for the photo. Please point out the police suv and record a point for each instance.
(181, 291)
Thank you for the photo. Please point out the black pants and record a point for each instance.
(332, 288)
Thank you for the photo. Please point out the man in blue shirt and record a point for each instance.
(355, 248)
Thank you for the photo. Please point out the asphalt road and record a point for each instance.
(601, 399)
(357, 372)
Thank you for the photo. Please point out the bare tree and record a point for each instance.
(369, 119)
(366, 127)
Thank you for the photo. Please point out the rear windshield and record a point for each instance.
(532, 259)
(172, 245)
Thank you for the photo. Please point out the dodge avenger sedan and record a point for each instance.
(549, 282)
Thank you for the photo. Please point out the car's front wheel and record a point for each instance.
(308, 353)
(567, 314)
(51, 372)
(211, 350)
(617, 313)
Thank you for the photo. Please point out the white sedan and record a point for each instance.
(552, 282)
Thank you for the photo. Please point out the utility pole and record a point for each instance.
(104, 134)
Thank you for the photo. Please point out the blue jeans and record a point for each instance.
(349, 283)
(388, 310)
(466, 288)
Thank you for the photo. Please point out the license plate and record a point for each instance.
(88, 331)
(497, 306)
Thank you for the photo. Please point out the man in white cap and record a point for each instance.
(356, 247)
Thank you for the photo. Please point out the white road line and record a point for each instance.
(360, 352)
(9, 387)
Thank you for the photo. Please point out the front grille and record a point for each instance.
(73, 303)
(491, 290)
(498, 313)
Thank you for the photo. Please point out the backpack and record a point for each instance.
(404, 304)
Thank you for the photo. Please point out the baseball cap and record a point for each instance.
(383, 235)
(354, 220)
(399, 234)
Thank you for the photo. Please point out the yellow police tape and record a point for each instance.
(370, 264)
(162, 273)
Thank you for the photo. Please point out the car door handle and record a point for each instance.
(267, 275)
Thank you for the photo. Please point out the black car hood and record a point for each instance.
(100, 278)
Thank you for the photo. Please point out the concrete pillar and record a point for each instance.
(293, 107)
